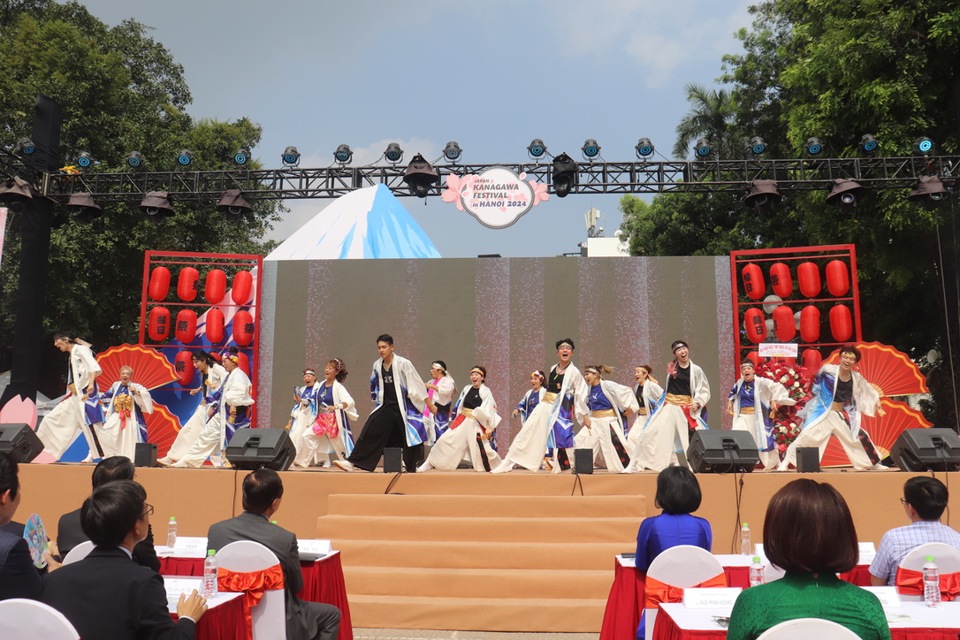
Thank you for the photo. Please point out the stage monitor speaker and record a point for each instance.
(252, 449)
(583, 461)
(927, 450)
(145, 454)
(20, 441)
(722, 451)
(808, 459)
(392, 460)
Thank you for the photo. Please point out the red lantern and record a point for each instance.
(215, 286)
(841, 322)
(159, 284)
(188, 283)
(810, 324)
(780, 280)
(243, 328)
(754, 357)
(811, 360)
(755, 325)
(158, 324)
(244, 363)
(838, 278)
(808, 276)
(214, 327)
(242, 287)
(186, 329)
(783, 323)
(753, 284)
(183, 364)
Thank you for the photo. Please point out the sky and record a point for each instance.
(491, 75)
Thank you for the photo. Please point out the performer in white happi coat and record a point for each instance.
(440, 390)
(609, 403)
(397, 420)
(212, 377)
(305, 409)
(469, 433)
(750, 402)
(648, 393)
(552, 421)
(80, 410)
(329, 434)
(840, 397)
(125, 425)
(679, 411)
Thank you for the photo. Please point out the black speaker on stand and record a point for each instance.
(583, 461)
(392, 460)
(251, 449)
(20, 441)
(935, 449)
(145, 454)
(722, 451)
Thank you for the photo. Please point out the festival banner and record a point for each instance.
(497, 197)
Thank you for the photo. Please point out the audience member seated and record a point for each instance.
(924, 500)
(809, 533)
(70, 533)
(262, 493)
(678, 493)
(107, 595)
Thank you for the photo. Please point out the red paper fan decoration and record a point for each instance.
(150, 368)
(162, 428)
(884, 431)
(890, 370)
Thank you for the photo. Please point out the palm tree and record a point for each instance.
(710, 117)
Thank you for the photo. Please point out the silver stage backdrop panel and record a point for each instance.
(502, 313)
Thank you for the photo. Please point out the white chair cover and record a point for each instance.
(946, 557)
(269, 617)
(79, 552)
(806, 628)
(681, 566)
(22, 618)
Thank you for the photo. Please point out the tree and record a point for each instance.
(711, 113)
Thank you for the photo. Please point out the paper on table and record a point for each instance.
(314, 549)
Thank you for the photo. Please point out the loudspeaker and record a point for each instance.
(808, 459)
(252, 449)
(20, 441)
(927, 450)
(392, 460)
(583, 461)
(722, 451)
(145, 454)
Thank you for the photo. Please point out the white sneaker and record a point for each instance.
(343, 465)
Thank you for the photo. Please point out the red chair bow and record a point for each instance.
(910, 583)
(252, 584)
(657, 592)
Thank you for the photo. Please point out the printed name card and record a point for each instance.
(715, 598)
(867, 553)
(627, 560)
(190, 547)
(316, 547)
(888, 596)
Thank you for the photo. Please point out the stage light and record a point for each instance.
(813, 146)
(702, 150)
(536, 149)
(757, 146)
(135, 160)
(393, 153)
(15, 193)
(929, 192)
(924, 146)
(343, 154)
(644, 148)
(184, 158)
(82, 208)
(845, 194)
(590, 149)
(868, 144)
(452, 151)
(241, 156)
(232, 203)
(25, 147)
(763, 195)
(84, 160)
(564, 175)
(290, 157)
(420, 176)
(156, 204)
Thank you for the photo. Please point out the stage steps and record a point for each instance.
(515, 562)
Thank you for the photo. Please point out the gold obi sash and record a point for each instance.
(549, 397)
(603, 413)
(747, 411)
(836, 406)
(680, 401)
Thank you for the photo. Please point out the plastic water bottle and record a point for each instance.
(931, 583)
(756, 572)
(746, 549)
(172, 532)
(210, 575)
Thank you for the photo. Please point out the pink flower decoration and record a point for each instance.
(539, 192)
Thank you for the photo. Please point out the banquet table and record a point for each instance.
(224, 619)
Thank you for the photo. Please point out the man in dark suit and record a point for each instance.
(262, 492)
(70, 532)
(18, 576)
(107, 595)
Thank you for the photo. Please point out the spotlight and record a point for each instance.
(135, 160)
(845, 194)
(763, 195)
(15, 193)
(590, 149)
(420, 176)
(928, 193)
(25, 147)
(536, 149)
(702, 150)
(757, 146)
(343, 154)
(644, 148)
(232, 203)
(924, 146)
(393, 153)
(156, 204)
(564, 174)
(84, 160)
(241, 156)
(290, 157)
(452, 151)
(82, 207)
(184, 158)
(813, 146)
(868, 144)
